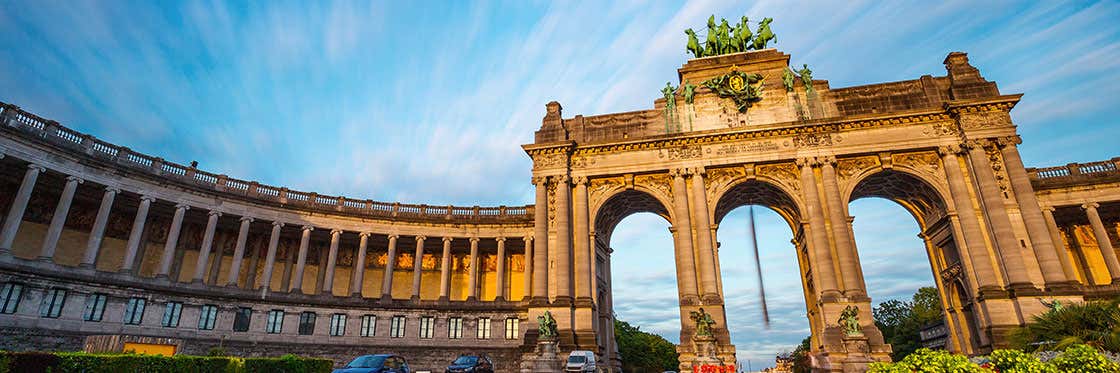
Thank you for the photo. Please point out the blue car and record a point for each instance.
(471, 364)
(383, 363)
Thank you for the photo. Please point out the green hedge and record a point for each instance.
(79, 362)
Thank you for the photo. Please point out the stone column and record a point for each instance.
(527, 276)
(540, 236)
(301, 259)
(817, 234)
(686, 261)
(445, 271)
(1041, 241)
(270, 258)
(390, 262)
(207, 243)
(1056, 238)
(58, 221)
(220, 239)
(134, 241)
(417, 267)
(250, 277)
(500, 283)
(1105, 244)
(582, 245)
(970, 225)
(19, 205)
(472, 292)
(93, 246)
(239, 251)
(997, 215)
(332, 259)
(705, 249)
(289, 264)
(359, 267)
(172, 243)
(845, 248)
(563, 241)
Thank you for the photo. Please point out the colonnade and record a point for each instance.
(206, 268)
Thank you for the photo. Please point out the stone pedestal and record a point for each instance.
(543, 359)
(706, 350)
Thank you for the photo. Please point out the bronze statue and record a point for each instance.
(711, 46)
(724, 37)
(787, 80)
(764, 35)
(743, 35)
(1054, 305)
(546, 325)
(689, 92)
(849, 321)
(670, 96)
(703, 322)
(694, 44)
(806, 77)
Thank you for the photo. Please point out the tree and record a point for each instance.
(1093, 323)
(902, 321)
(643, 352)
(800, 357)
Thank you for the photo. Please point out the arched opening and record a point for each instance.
(885, 237)
(635, 275)
(775, 216)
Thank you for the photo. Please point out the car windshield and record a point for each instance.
(577, 359)
(466, 360)
(368, 361)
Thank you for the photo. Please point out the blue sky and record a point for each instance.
(429, 102)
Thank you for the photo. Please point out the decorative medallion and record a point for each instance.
(742, 88)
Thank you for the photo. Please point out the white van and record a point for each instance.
(580, 361)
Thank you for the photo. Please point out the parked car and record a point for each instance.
(580, 361)
(383, 363)
(472, 364)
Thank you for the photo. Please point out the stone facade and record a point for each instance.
(91, 218)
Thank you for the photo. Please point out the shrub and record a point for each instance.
(31, 361)
(217, 351)
(1093, 323)
(1016, 361)
(926, 360)
(1084, 359)
(80, 362)
(289, 364)
(1077, 358)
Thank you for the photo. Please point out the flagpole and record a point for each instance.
(758, 265)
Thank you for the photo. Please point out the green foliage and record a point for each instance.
(643, 352)
(902, 321)
(1084, 359)
(800, 357)
(926, 360)
(80, 362)
(1077, 358)
(1012, 361)
(217, 351)
(1093, 323)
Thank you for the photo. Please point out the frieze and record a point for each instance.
(786, 173)
(928, 162)
(985, 119)
(681, 152)
(848, 167)
(658, 182)
(808, 140)
(583, 160)
(549, 160)
(941, 128)
(751, 147)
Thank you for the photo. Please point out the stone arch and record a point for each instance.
(763, 192)
(915, 192)
(622, 203)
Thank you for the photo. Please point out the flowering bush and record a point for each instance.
(715, 369)
(1076, 358)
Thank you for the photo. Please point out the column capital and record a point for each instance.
(1090, 205)
(36, 166)
(336, 231)
(805, 162)
(1047, 208)
(698, 171)
(246, 219)
(561, 179)
(393, 236)
(364, 234)
(278, 224)
(112, 189)
(307, 228)
(1008, 141)
(500, 239)
(447, 239)
(421, 238)
(214, 213)
(182, 206)
(540, 180)
(579, 180)
(148, 198)
(73, 178)
(951, 149)
(828, 160)
(527, 238)
(474, 240)
(679, 172)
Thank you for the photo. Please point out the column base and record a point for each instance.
(197, 281)
(499, 299)
(162, 277)
(992, 292)
(711, 298)
(443, 299)
(1023, 289)
(584, 302)
(472, 299)
(831, 295)
(86, 265)
(562, 301)
(1064, 288)
(386, 299)
(538, 301)
(690, 300)
(45, 259)
(357, 295)
(414, 298)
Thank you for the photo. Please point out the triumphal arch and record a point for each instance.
(102, 245)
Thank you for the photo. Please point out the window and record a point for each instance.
(455, 328)
(426, 327)
(207, 316)
(307, 323)
(275, 323)
(512, 326)
(52, 303)
(171, 313)
(241, 319)
(95, 307)
(396, 328)
(369, 326)
(134, 311)
(484, 328)
(9, 297)
(338, 324)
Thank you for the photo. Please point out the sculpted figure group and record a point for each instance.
(724, 39)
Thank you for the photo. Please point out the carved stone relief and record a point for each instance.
(849, 167)
(926, 162)
(985, 119)
(661, 183)
(681, 152)
(785, 173)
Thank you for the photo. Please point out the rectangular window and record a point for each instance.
(275, 323)
(484, 328)
(95, 307)
(307, 323)
(52, 303)
(171, 313)
(396, 328)
(134, 311)
(426, 327)
(241, 319)
(512, 327)
(9, 297)
(455, 328)
(338, 324)
(369, 326)
(206, 317)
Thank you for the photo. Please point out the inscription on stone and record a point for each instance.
(752, 147)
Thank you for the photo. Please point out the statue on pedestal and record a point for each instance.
(849, 321)
(703, 322)
(546, 325)
(764, 35)
(806, 77)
